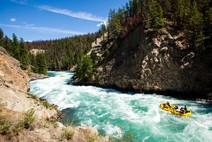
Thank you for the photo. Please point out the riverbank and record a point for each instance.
(33, 119)
(35, 76)
(45, 125)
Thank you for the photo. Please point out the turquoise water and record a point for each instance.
(124, 115)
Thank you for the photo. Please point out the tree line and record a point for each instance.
(59, 54)
(62, 54)
(18, 49)
(192, 16)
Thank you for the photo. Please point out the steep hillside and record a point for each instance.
(161, 62)
(154, 46)
(14, 82)
(11, 73)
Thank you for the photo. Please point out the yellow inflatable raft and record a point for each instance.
(172, 109)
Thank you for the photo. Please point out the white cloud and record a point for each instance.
(12, 19)
(43, 29)
(19, 1)
(28, 25)
(80, 15)
(28, 40)
(100, 24)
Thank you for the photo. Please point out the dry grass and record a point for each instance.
(42, 101)
(24, 127)
(67, 134)
(12, 123)
(10, 115)
(93, 138)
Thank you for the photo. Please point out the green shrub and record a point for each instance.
(47, 105)
(67, 134)
(93, 138)
(29, 118)
(42, 101)
(32, 96)
(4, 126)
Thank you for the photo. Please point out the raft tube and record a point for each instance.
(172, 110)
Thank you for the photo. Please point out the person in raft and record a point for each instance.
(186, 110)
(183, 110)
(176, 107)
(168, 104)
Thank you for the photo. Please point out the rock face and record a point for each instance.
(14, 82)
(36, 51)
(10, 72)
(162, 62)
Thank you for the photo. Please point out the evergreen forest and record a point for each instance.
(62, 54)
(191, 16)
(18, 49)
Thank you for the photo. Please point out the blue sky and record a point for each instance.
(52, 19)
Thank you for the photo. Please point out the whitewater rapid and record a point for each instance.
(124, 115)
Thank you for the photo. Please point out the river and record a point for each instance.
(130, 116)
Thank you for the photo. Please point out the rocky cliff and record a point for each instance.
(14, 83)
(10, 72)
(160, 62)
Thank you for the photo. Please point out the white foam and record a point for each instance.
(112, 130)
(101, 108)
(146, 138)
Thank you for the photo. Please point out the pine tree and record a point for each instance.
(103, 28)
(87, 67)
(1, 37)
(111, 25)
(79, 66)
(156, 14)
(7, 44)
(126, 12)
(195, 27)
(147, 21)
(84, 67)
(206, 9)
(178, 12)
(118, 21)
(24, 55)
(131, 8)
(33, 63)
(167, 8)
(134, 7)
(41, 63)
(16, 48)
